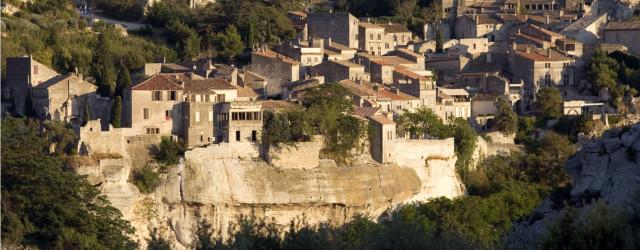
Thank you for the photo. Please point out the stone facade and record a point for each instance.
(372, 39)
(276, 68)
(301, 155)
(63, 98)
(335, 71)
(23, 73)
(625, 33)
(341, 27)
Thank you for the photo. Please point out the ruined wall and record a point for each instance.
(302, 155)
(95, 141)
(236, 150)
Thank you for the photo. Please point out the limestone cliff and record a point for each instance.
(608, 169)
(221, 182)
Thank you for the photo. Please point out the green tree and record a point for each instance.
(325, 104)
(506, 120)
(86, 114)
(549, 103)
(124, 80)
(156, 242)
(546, 158)
(439, 42)
(46, 206)
(105, 71)
(147, 179)
(169, 151)
(422, 123)
(116, 112)
(465, 139)
(122, 9)
(184, 38)
(229, 43)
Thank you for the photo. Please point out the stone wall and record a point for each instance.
(138, 147)
(409, 152)
(93, 140)
(224, 151)
(301, 155)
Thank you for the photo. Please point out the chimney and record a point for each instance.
(548, 53)
(475, 18)
(528, 50)
(329, 41)
(546, 20)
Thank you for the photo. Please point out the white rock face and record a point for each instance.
(219, 185)
(608, 169)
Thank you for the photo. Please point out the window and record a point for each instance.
(389, 135)
(547, 65)
(156, 96)
(242, 116)
(234, 116)
(145, 113)
(206, 98)
(474, 46)
(201, 138)
(167, 115)
(254, 135)
(35, 69)
(152, 131)
(173, 95)
(210, 116)
(565, 79)
(370, 36)
(379, 37)
(386, 45)
(237, 135)
(220, 97)
(197, 116)
(547, 80)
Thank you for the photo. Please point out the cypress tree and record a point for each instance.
(124, 80)
(116, 113)
(439, 42)
(86, 114)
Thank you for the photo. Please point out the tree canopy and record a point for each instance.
(46, 206)
(506, 120)
(549, 103)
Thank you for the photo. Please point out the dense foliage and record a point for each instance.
(285, 127)
(146, 179)
(169, 151)
(47, 206)
(549, 103)
(55, 35)
(121, 9)
(506, 120)
(618, 72)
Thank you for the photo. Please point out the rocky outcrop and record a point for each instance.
(607, 169)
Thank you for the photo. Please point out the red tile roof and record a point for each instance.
(272, 54)
(159, 82)
(365, 111)
(207, 85)
(382, 120)
(246, 92)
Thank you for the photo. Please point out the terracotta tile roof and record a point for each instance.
(206, 85)
(410, 52)
(348, 64)
(158, 82)
(272, 54)
(536, 55)
(408, 73)
(365, 111)
(246, 92)
(382, 120)
(396, 60)
(395, 28)
(454, 92)
(371, 26)
(366, 90)
(623, 26)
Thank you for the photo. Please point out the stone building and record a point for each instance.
(308, 56)
(341, 27)
(200, 96)
(63, 98)
(372, 39)
(238, 122)
(419, 85)
(334, 71)
(396, 35)
(625, 33)
(366, 94)
(154, 103)
(538, 68)
(276, 68)
(23, 73)
(491, 26)
(452, 103)
(384, 132)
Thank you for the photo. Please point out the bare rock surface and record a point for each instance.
(607, 169)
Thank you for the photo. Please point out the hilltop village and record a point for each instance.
(346, 102)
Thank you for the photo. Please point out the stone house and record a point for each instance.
(419, 85)
(494, 27)
(308, 56)
(453, 103)
(341, 27)
(154, 103)
(200, 96)
(63, 98)
(372, 39)
(483, 108)
(384, 132)
(396, 35)
(625, 33)
(276, 68)
(583, 107)
(538, 68)
(588, 29)
(366, 94)
(334, 71)
(23, 73)
(334, 51)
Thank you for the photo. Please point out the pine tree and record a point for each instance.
(116, 113)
